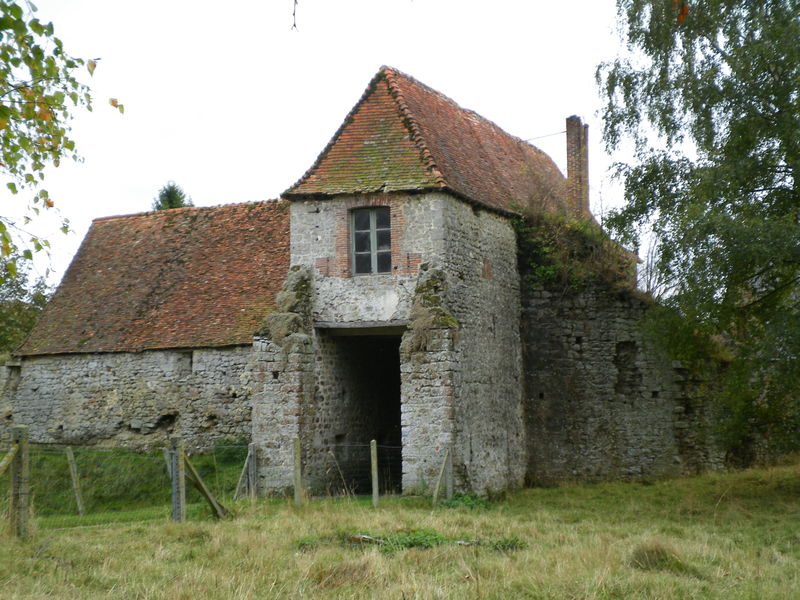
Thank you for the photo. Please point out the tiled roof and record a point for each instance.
(404, 136)
(181, 278)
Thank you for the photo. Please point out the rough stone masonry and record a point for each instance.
(274, 320)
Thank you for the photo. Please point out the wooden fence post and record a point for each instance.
(448, 481)
(217, 509)
(177, 456)
(373, 459)
(298, 473)
(76, 483)
(438, 488)
(168, 460)
(20, 483)
(252, 472)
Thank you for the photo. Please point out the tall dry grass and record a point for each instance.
(734, 536)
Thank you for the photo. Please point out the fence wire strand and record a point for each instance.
(118, 485)
(349, 469)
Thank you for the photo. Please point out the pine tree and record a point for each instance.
(171, 196)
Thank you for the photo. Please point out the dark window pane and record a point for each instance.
(384, 239)
(384, 262)
(361, 241)
(361, 219)
(363, 263)
(382, 218)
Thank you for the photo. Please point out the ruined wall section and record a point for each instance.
(601, 403)
(135, 400)
(484, 296)
(429, 369)
(282, 373)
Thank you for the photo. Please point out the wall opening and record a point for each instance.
(364, 404)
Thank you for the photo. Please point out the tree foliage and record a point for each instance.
(171, 196)
(21, 301)
(39, 91)
(710, 95)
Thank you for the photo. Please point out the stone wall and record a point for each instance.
(461, 387)
(428, 373)
(601, 402)
(133, 399)
(483, 295)
(282, 372)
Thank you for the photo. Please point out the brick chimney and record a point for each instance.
(578, 165)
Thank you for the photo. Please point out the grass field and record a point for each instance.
(732, 536)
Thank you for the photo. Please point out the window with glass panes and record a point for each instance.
(372, 240)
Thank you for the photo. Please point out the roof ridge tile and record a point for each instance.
(403, 135)
(412, 124)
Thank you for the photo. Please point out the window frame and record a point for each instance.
(373, 230)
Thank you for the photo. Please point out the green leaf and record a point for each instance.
(36, 27)
(12, 186)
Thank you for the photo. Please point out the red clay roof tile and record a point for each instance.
(181, 278)
(404, 136)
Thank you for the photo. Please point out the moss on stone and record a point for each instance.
(428, 311)
(293, 307)
(278, 325)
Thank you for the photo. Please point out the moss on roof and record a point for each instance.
(404, 136)
(181, 278)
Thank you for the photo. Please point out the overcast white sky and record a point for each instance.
(228, 101)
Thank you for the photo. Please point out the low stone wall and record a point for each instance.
(132, 399)
(602, 403)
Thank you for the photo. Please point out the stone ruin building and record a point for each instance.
(379, 298)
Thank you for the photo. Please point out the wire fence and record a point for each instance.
(5, 483)
(349, 469)
(79, 486)
(54, 487)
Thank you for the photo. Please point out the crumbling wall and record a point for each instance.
(601, 402)
(429, 367)
(282, 370)
(133, 399)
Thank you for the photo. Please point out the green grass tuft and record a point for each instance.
(656, 556)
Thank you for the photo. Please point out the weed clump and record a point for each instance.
(420, 538)
(307, 543)
(564, 254)
(655, 556)
(507, 544)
